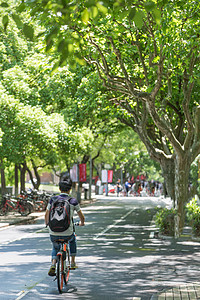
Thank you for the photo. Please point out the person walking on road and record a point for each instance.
(127, 186)
(68, 234)
(119, 188)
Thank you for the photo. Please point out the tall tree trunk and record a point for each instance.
(168, 172)
(3, 180)
(22, 176)
(16, 180)
(37, 183)
(182, 169)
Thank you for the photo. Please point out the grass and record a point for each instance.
(45, 187)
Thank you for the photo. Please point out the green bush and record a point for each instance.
(164, 220)
(193, 216)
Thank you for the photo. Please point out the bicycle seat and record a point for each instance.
(61, 241)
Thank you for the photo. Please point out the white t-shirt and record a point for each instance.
(74, 206)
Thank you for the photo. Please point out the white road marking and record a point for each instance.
(113, 225)
(21, 295)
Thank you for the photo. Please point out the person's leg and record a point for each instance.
(72, 249)
(55, 249)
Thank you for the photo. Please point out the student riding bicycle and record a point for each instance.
(68, 234)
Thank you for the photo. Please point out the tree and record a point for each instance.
(144, 55)
(34, 136)
(27, 136)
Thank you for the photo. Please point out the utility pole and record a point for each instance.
(90, 183)
(78, 190)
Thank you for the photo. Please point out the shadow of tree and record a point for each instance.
(122, 263)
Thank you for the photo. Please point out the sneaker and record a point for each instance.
(52, 271)
(73, 266)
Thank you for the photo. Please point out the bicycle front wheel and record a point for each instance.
(61, 277)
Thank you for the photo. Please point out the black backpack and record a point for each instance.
(59, 214)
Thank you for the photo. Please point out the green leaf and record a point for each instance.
(85, 16)
(28, 31)
(21, 7)
(149, 5)
(5, 21)
(102, 8)
(4, 4)
(49, 45)
(94, 11)
(138, 19)
(157, 15)
(90, 3)
(17, 20)
(132, 13)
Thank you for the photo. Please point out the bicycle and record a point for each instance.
(63, 265)
(10, 204)
(38, 199)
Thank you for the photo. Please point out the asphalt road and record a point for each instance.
(117, 256)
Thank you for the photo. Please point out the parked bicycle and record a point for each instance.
(9, 203)
(39, 199)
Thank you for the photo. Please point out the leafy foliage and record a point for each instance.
(193, 215)
(164, 219)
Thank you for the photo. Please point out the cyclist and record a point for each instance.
(68, 235)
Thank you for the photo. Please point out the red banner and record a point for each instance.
(110, 176)
(82, 173)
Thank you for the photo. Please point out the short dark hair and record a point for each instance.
(65, 185)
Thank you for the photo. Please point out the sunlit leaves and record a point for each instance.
(76, 16)
(101, 8)
(85, 16)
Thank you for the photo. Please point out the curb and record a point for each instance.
(17, 220)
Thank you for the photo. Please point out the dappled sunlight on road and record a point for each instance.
(117, 258)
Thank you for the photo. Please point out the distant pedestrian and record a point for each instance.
(127, 186)
(119, 188)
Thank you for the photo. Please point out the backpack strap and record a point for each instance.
(67, 199)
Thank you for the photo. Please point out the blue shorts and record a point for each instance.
(56, 246)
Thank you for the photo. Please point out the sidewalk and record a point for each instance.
(182, 292)
(16, 218)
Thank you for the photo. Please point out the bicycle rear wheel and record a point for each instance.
(67, 267)
(61, 277)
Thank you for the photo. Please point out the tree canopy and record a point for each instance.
(147, 55)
